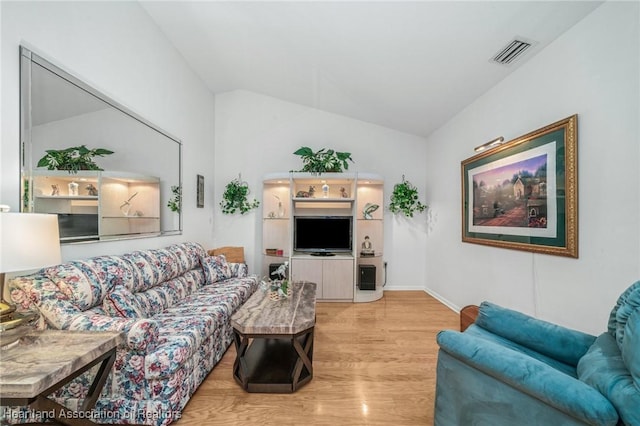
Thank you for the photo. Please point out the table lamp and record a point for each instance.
(27, 241)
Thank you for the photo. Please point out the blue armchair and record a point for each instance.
(511, 369)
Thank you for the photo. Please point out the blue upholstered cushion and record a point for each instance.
(552, 340)
(631, 347)
(482, 333)
(603, 368)
(628, 302)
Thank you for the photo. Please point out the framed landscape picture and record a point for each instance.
(524, 194)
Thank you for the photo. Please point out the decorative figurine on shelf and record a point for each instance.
(92, 190)
(73, 189)
(367, 248)
(55, 190)
(281, 211)
(307, 194)
(126, 206)
(369, 208)
(325, 190)
(343, 192)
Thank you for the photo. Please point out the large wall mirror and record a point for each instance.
(136, 194)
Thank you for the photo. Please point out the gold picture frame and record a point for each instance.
(523, 195)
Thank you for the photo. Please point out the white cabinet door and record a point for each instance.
(308, 270)
(337, 279)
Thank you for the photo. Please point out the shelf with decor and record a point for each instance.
(327, 209)
(93, 205)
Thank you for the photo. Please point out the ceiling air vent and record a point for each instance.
(511, 52)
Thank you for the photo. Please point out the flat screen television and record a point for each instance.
(323, 235)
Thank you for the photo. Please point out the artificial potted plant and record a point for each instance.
(323, 160)
(279, 287)
(235, 198)
(72, 159)
(404, 199)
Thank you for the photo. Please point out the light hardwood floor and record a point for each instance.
(374, 364)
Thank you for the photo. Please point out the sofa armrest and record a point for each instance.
(530, 376)
(141, 335)
(552, 340)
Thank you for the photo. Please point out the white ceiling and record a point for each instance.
(409, 66)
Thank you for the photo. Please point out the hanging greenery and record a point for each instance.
(235, 198)
(175, 202)
(324, 160)
(405, 199)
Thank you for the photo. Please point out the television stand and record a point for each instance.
(322, 253)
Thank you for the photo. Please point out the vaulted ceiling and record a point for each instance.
(405, 65)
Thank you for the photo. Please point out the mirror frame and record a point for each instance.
(27, 167)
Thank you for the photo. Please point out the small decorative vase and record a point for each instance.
(281, 211)
(325, 190)
(125, 209)
(73, 189)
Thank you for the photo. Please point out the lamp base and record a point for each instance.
(6, 309)
(16, 325)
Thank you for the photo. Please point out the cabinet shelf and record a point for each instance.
(89, 217)
(324, 200)
(131, 217)
(67, 197)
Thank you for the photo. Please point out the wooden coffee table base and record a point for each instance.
(273, 363)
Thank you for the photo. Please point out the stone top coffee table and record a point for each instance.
(274, 340)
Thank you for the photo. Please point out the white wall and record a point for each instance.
(258, 134)
(115, 47)
(592, 70)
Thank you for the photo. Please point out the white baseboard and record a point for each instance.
(443, 300)
(404, 288)
(455, 308)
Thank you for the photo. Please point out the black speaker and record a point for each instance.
(367, 277)
(272, 268)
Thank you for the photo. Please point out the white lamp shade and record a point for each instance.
(28, 241)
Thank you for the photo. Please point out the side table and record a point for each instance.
(41, 362)
(468, 316)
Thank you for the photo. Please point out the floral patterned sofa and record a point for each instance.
(174, 307)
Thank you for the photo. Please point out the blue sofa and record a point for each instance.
(511, 369)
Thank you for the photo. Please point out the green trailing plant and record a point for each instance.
(404, 199)
(72, 159)
(235, 198)
(175, 203)
(323, 160)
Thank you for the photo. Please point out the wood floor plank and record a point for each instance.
(374, 364)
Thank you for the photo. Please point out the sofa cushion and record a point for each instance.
(215, 268)
(631, 347)
(121, 302)
(628, 302)
(87, 282)
(484, 334)
(188, 255)
(603, 368)
(549, 339)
